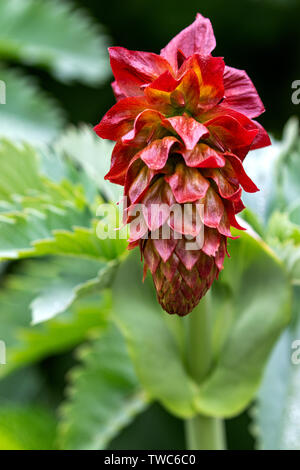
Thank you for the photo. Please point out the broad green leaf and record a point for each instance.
(53, 35)
(26, 343)
(26, 428)
(250, 308)
(54, 232)
(276, 415)
(103, 396)
(19, 232)
(93, 154)
(65, 281)
(81, 242)
(22, 185)
(153, 348)
(28, 114)
(40, 216)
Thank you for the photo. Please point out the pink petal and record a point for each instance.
(213, 209)
(156, 204)
(188, 185)
(120, 118)
(151, 257)
(261, 139)
(165, 247)
(229, 133)
(156, 154)
(196, 38)
(212, 240)
(188, 129)
(146, 123)
(203, 156)
(246, 182)
(117, 92)
(134, 69)
(121, 157)
(189, 220)
(188, 257)
(240, 93)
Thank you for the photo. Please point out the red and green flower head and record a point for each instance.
(183, 124)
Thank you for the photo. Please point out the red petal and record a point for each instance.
(138, 229)
(230, 209)
(198, 37)
(187, 222)
(119, 119)
(227, 189)
(156, 204)
(246, 183)
(188, 257)
(133, 69)
(165, 247)
(203, 156)
(145, 125)
(205, 265)
(224, 226)
(158, 93)
(228, 133)
(187, 92)
(219, 258)
(169, 268)
(156, 154)
(151, 257)
(261, 139)
(212, 240)
(188, 185)
(213, 209)
(209, 71)
(121, 158)
(188, 129)
(138, 179)
(117, 92)
(240, 93)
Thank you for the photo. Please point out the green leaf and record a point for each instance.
(103, 396)
(26, 428)
(24, 186)
(250, 308)
(65, 281)
(93, 154)
(25, 343)
(276, 415)
(42, 217)
(53, 35)
(20, 232)
(28, 113)
(153, 347)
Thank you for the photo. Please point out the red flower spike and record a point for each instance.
(183, 124)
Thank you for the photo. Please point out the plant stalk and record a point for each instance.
(202, 432)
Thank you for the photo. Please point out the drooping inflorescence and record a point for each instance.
(183, 124)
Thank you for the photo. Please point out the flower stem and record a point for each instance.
(202, 432)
